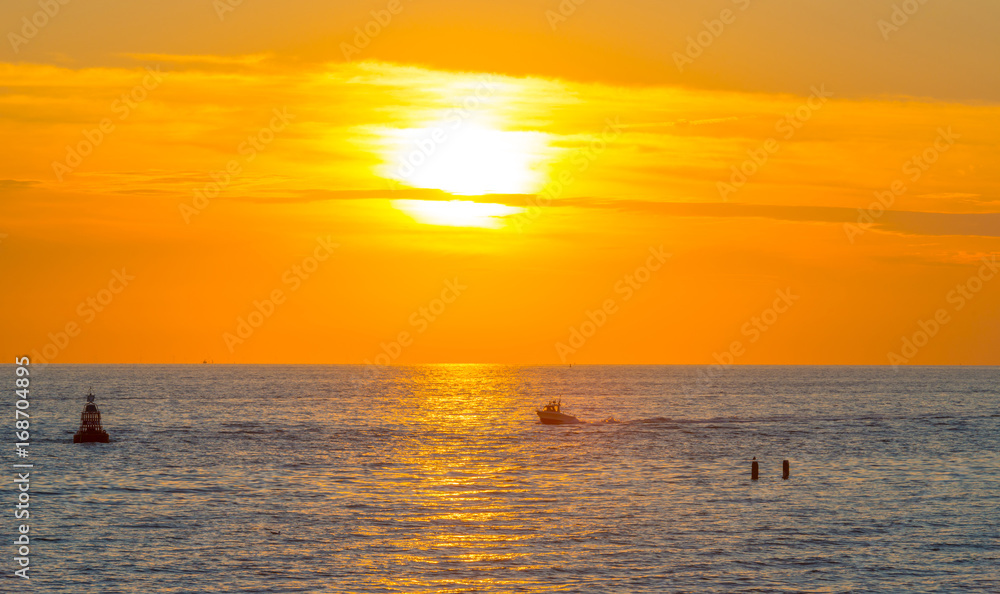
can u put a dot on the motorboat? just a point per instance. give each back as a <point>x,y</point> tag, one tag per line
<point>551,414</point>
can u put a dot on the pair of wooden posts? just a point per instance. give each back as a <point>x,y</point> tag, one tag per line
<point>753,469</point>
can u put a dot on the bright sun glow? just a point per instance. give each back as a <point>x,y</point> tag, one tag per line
<point>467,158</point>
<point>456,213</point>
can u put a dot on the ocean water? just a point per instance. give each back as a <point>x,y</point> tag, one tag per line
<point>440,479</point>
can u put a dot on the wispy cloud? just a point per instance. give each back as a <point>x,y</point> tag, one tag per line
<point>13,184</point>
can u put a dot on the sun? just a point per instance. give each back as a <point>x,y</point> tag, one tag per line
<point>457,213</point>
<point>467,158</point>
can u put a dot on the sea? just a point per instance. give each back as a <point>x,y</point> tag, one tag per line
<point>439,478</point>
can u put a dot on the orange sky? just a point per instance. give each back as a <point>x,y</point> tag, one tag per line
<point>487,183</point>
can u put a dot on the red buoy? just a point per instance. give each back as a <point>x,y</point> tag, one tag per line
<point>90,424</point>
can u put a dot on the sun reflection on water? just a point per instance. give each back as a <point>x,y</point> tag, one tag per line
<point>466,495</point>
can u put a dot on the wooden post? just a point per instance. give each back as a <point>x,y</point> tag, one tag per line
<point>753,469</point>
<point>784,469</point>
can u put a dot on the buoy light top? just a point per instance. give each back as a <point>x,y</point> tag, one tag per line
<point>90,397</point>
